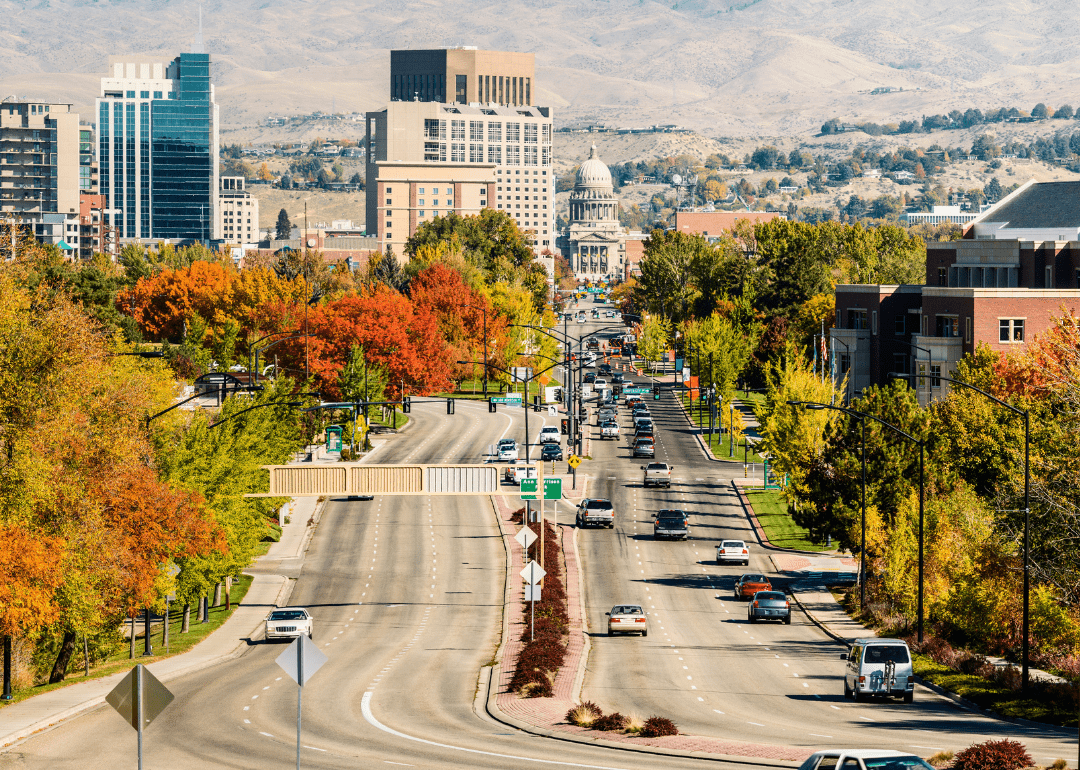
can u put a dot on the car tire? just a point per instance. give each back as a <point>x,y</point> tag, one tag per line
<point>909,697</point>
<point>610,632</point>
<point>787,620</point>
<point>856,695</point>
<point>847,690</point>
<point>751,618</point>
<point>645,633</point>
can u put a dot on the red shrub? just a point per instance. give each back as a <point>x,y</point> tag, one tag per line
<point>658,726</point>
<point>611,722</point>
<point>993,755</point>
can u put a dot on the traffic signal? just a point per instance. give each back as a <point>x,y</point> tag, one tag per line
<point>491,405</point>
<point>656,392</point>
<point>449,406</point>
<point>558,395</point>
<point>406,404</point>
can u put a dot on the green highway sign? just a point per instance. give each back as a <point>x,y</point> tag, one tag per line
<point>552,489</point>
<point>595,290</point>
<point>514,399</point>
<point>635,391</point>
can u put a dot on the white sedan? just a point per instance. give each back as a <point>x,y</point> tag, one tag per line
<point>289,623</point>
<point>733,552</point>
<point>627,619</point>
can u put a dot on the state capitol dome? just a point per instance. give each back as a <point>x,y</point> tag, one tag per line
<point>594,173</point>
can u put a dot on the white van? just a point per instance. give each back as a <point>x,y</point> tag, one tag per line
<point>879,667</point>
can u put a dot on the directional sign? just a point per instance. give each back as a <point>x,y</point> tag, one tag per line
<point>129,702</point>
<point>301,656</point>
<point>513,398</point>
<point>533,573</point>
<point>528,489</point>
<point>553,489</point>
<point>553,410</point>
<point>635,391</point>
<point>574,461</point>
<point>525,537</point>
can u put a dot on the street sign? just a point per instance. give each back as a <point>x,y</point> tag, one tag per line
<point>574,461</point>
<point>533,573</point>
<point>532,593</point>
<point>635,391</point>
<point>301,656</point>
<point>553,410</point>
<point>552,489</point>
<point>333,438</point>
<point>528,489</point>
<point>525,537</point>
<point>512,398</point>
<point>139,694</point>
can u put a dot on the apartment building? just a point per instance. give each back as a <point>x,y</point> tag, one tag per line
<point>158,149</point>
<point>474,156</point>
<point>39,166</point>
<point>237,211</point>
<point>463,76</point>
<point>995,286</point>
<point>92,231</point>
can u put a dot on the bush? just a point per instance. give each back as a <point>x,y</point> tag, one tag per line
<point>656,727</point>
<point>585,714</point>
<point>941,759</point>
<point>613,722</point>
<point>993,755</point>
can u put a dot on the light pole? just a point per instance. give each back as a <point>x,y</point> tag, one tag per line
<point>1024,643</point>
<point>922,489</point>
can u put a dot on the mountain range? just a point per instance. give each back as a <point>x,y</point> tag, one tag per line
<point>740,69</point>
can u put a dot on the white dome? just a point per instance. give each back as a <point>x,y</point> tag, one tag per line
<point>594,172</point>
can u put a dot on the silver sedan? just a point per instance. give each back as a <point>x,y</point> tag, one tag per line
<point>627,619</point>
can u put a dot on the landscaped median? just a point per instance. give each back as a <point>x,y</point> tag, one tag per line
<point>720,443</point>
<point>769,511</point>
<point>550,714</point>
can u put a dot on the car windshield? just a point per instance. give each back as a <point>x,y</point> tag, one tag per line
<point>287,615</point>
<point>770,596</point>
<point>644,442</point>
<point>885,653</point>
<point>628,610</point>
<point>895,763</point>
<point>733,544</point>
<point>753,578</point>
<point>600,505</point>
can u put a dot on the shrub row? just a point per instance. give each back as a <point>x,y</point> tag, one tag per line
<point>592,717</point>
<point>543,653</point>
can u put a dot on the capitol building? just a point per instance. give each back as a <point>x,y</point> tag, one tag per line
<point>595,242</point>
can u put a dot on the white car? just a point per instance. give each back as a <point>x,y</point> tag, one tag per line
<point>549,434</point>
<point>507,450</point>
<point>600,383</point>
<point>289,623</point>
<point>515,473</point>
<point>627,619</point>
<point>864,759</point>
<point>732,552</point>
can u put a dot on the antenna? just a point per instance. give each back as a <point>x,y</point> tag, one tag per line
<point>198,46</point>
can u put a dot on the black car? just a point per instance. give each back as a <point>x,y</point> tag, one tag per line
<point>605,369</point>
<point>551,452</point>
<point>590,378</point>
<point>617,378</point>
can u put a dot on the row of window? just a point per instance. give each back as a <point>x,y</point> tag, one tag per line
<point>436,152</point>
<point>436,129</point>
<point>1009,329</point>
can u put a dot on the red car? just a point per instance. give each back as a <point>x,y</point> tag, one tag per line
<point>750,584</point>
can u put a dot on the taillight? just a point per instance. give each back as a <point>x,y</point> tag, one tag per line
<point>639,620</point>
<point>862,679</point>
<point>755,604</point>
<point>787,605</point>
<point>745,551</point>
<point>722,551</point>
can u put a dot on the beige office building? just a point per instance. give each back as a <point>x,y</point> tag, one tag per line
<point>463,76</point>
<point>237,211</point>
<point>39,162</point>
<point>474,155</point>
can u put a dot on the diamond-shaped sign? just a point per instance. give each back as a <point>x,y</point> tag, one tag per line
<point>533,573</point>
<point>574,461</point>
<point>301,656</point>
<point>125,697</point>
<point>525,537</point>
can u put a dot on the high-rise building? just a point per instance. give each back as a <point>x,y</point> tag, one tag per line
<point>88,173</point>
<point>490,140</point>
<point>238,211</point>
<point>463,76</point>
<point>39,165</point>
<point>158,149</point>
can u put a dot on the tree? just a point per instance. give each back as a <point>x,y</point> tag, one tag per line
<point>666,286</point>
<point>1040,111</point>
<point>284,226</point>
<point>1065,111</point>
<point>993,190</point>
<point>654,337</point>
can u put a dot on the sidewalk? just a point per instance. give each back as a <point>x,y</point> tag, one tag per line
<point>273,575</point>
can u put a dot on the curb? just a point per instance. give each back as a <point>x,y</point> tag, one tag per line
<point>583,664</point>
<point>759,531</point>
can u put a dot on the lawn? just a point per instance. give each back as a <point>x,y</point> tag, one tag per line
<point>178,643</point>
<point>771,512</point>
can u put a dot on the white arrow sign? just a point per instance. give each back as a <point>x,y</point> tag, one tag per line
<point>533,573</point>
<point>525,537</point>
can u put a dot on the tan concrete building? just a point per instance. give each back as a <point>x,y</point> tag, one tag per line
<point>237,211</point>
<point>39,162</point>
<point>473,156</point>
<point>463,76</point>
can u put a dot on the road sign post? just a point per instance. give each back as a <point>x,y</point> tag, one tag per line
<point>139,698</point>
<point>533,574</point>
<point>300,661</point>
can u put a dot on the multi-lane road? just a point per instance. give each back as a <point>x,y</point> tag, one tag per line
<point>407,595</point>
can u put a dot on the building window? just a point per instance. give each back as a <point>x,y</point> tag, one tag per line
<point>935,375</point>
<point>457,129</point>
<point>1049,277</point>
<point>530,133</point>
<point>513,132</point>
<point>513,155</point>
<point>494,132</point>
<point>1010,330</point>
<point>873,322</point>
<point>457,152</point>
<point>900,363</point>
<point>900,325</point>
<point>942,276</point>
<point>948,326</point>
<point>476,131</point>
<point>420,202</point>
<point>157,94</point>
<point>845,363</point>
<point>476,153</point>
<point>530,155</point>
<point>856,319</point>
<point>434,129</point>
<point>144,94</point>
<point>967,329</point>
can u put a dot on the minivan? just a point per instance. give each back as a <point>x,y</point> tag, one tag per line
<point>879,667</point>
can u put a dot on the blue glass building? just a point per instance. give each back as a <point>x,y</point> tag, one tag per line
<point>158,149</point>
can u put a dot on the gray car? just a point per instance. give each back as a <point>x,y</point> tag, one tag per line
<point>769,605</point>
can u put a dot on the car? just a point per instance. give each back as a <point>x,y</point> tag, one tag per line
<point>580,317</point>
<point>289,623</point>
<point>592,343</point>
<point>644,447</point>
<point>879,667</point>
<point>641,417</point>
<point>618,378</point>
<point>634,400</point>
<point>595,512</point>
<point>605,369</point>
<point>508,451</point>
<point>609,429</point>
<point>551,452</point>
<point>657,475</point>
<point>863,759</point>
<point>644,431</point>
<point>749,584</point>
<point>549,434</point>
<point>596,314</point>
<point>769,605</point>
<point>735,551</point>
<point>627,619</point>
<point>590,378</point>
<point>671,525</point>
<point>611,314</point>
<point>605,414</point>
<point>515,473</point>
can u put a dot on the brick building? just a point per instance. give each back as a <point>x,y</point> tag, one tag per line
<point>987,288</point>
<point>713,224</point>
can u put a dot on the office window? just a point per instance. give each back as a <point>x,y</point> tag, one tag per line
<point>943,276</point>
<point>420,203</point>
<point>967,329</point>
<point>434,129</point>
<point>476,153</point>
<point>935,375</point>
<point>144,94</point>
<point>457,152</point>
<point>845,363</point>
<point>900,363</point>
<point>421,192</point>
<point>431,152</point>
<point>1049,277</point>
<point>130,94</point>
<point>457,129</point>
<point>900,325</point>
<point>513,132</point>
<point>1010,330</point>
<point>462,82</point>
<point>948,326</point>
<point>530,155</point>
<point>157,94</point>
<point>476,131</point>
<point>530,133</point>
<point>856,319</point>
<point>513,155</point>
<point>494,154</point>
<point>494,132</point>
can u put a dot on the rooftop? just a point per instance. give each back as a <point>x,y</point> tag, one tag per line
<point>1038,205</point>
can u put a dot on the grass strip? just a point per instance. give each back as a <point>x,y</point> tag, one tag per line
<point>771,511</point>
<point>178,644</point>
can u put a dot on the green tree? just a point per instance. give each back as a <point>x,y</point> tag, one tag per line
<point>654,338</point>
<point>283,226</point>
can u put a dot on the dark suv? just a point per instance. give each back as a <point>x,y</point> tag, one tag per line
<point>605,369</point>
<point>551,452</point>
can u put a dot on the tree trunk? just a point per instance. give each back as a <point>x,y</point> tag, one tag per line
<point>228,593</point>
<point>185,625</point>
<point>217,595</point>
<point>67,647</point>
<point>131,652</point>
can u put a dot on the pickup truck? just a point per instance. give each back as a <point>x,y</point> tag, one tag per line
<point>609,429</point>
<point>595,513</point>
<point>671,525</point>
<point>657,474</point>
<point>515,473</point>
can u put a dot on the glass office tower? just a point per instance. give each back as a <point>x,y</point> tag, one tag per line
<point>158,148</point>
